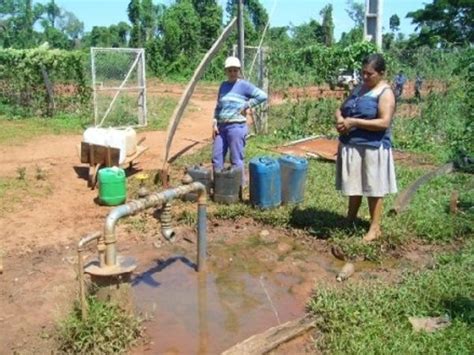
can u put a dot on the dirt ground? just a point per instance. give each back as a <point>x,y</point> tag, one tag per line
<point>38,235</point>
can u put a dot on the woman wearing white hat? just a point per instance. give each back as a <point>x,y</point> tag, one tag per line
<point>235,97</point>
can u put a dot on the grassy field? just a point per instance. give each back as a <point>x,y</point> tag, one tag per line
<point>19,129</point>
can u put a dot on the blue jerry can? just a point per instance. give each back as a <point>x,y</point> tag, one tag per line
<point>265,182</point>
<point>293,172</point>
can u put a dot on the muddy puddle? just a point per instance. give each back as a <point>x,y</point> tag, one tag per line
<point>247,289</point>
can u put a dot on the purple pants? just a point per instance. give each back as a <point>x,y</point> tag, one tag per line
<point>231,136</point>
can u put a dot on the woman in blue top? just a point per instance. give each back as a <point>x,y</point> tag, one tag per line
<point>365,162</point>
<point>229,130</point>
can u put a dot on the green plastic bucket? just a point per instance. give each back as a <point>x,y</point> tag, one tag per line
<point>112,186</point>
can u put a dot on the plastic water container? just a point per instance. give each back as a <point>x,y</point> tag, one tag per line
<point>265,182</point>
<point>199,174</point>
<point>228,185</point>
<point>293,171</point>
<point>123,139</point>
<point>112,186</point>
<point>95,135</point>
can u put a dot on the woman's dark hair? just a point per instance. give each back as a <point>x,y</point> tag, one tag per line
<point>376,61</point>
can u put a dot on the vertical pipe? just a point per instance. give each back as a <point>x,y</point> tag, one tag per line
<point>240,20</point>
<point>110,250</point>
<point>82,288</point>
<point>142,84</point>
<point>202,237</point>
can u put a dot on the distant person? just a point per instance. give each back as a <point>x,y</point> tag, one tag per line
<point>236,96</point>
<point>365,165</point>
<point>418,85</point>
<point>399,81</point>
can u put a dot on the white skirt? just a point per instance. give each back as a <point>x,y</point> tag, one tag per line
<point>365,171</point>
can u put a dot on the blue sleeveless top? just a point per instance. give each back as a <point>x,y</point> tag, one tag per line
<point>365,107</point>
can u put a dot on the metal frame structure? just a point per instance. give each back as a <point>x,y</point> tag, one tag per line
<point>139,66</point>
<point>373,22</point>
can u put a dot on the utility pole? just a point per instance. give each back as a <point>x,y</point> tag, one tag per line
<point>373,22</point>
<point>240,24</point>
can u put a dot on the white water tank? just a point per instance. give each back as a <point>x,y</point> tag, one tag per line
<point>123,139</point>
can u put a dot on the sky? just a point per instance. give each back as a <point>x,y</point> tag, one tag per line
<point>282,12</point>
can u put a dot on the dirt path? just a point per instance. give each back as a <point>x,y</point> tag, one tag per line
<point>69,210</point>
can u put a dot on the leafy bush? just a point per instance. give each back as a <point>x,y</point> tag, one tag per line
<point>315,64</point>
<point>445,126</point>
<point>22,83</point>
<point>304,118</point>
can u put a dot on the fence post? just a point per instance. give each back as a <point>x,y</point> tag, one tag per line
<point>265,87</point>
<point>49,91</point>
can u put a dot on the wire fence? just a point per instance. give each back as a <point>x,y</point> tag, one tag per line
<point>119,86</point>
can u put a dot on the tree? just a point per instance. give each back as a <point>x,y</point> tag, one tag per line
<point>307,34</point>
<point>148,19</point>
<point>394,23</point>
<point>328,25</point>
<point>52,11</point>
<point>449,21</point>
<point>17,20</point>
<point>69,24</point>
<point>137,34</point>
<point>356,12</point>
<point>123,30</point>
<point>256,18</point>
<point>180,33</point>
<point>353,36</point>
<point>210,15</point>
<point>100,37</point>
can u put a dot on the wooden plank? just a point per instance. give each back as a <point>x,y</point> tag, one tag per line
<point>179,110</point>
<point>93,154</point>
<point>405,197</point>
<point>140,150</point>
<point>264,342</point>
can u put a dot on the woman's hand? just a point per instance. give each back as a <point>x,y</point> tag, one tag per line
<point>344,125</point>
<point>215,131</point>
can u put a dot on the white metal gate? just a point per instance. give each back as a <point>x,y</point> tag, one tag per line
<point>119,87</point>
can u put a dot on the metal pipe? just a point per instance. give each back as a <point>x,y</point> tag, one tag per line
<point>165,218</point>
<point>152,200</point>
<point>80,266</point>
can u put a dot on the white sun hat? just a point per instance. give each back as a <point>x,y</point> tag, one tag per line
<point>232,62</point>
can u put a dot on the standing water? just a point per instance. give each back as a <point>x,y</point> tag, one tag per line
<point>242,294</point>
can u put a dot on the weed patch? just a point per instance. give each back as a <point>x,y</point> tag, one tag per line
<point>15,190</point>
<point>107,330</point>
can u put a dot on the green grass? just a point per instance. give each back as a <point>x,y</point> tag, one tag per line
<point>19,130</point>
<point>373,319</point>
<point>160,110</point>
<point>27,184</point>
<point>107,330</point>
